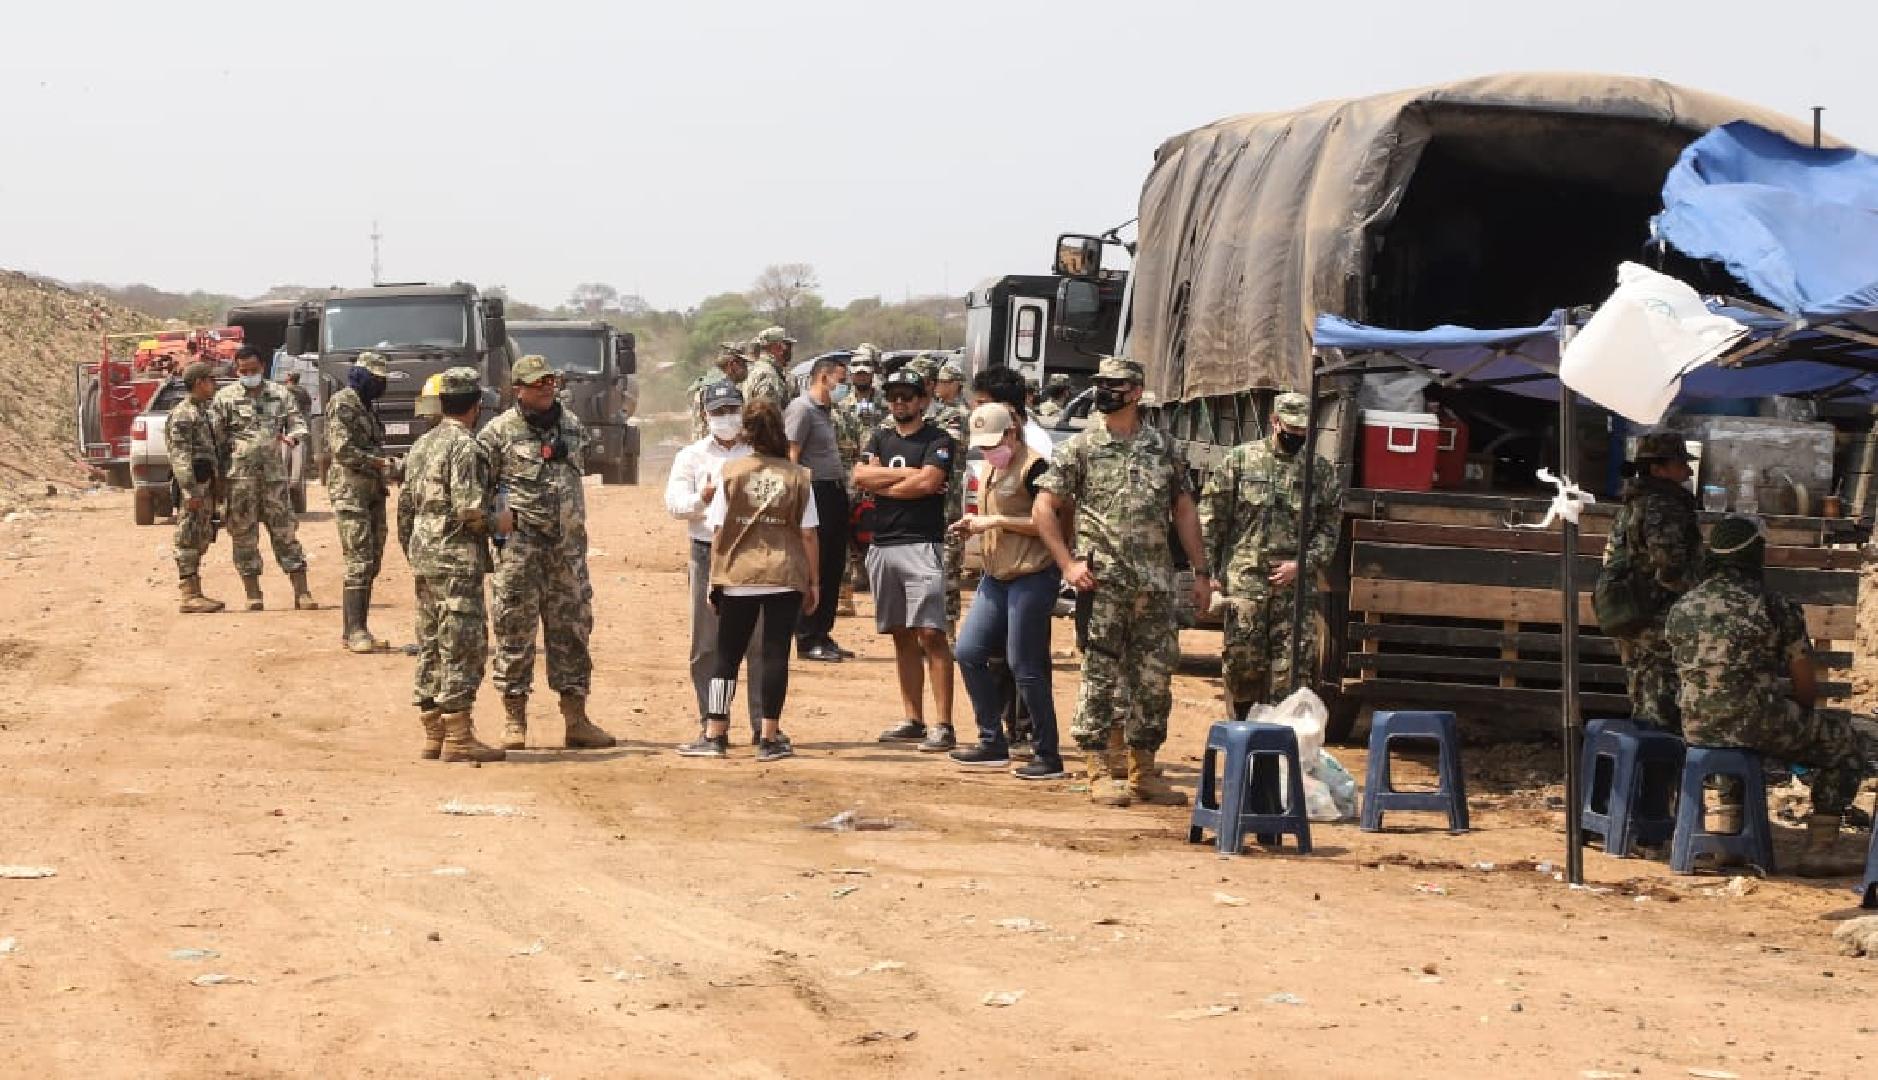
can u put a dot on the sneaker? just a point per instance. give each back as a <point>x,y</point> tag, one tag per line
<point>775,749</point>
<point>824,653</point>
<point>1040,770</point>
<point>908,731</point>
<point>845,654</point>
<point>705,746</point>
<point>982,755</point>
<point>938,738</point>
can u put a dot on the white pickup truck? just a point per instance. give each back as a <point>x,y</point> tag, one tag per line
<point>154,490</point>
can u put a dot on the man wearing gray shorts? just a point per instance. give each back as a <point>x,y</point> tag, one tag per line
<point>905,466</point>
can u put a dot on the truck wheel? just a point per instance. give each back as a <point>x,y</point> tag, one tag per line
<point>298,495</point>
<point>165,502</point>
<point>143,504</point>
<point>120,475</point>
<point>623,471</point>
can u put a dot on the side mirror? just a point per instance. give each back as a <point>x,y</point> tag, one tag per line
<point>294,343</point>
<point>1078,309</point>
<point>495,330</point>
<point>494,307</point>
<point>1078,255</point>
<point>626,353</point>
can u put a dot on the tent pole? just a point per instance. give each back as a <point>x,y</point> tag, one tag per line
<point>1300,589</point>
<point>1570,721</point>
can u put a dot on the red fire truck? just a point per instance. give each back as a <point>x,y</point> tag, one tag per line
<point>112,390</point>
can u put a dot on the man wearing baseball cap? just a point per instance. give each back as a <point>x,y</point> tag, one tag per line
<point>537,454</point>
<point>1125,482</point>
<point>1651,558</point>
<point>1251,517</point>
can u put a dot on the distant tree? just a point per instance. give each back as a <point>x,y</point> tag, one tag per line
<point>632,305</point>
<point>593,298</point>
<point>781,292</point>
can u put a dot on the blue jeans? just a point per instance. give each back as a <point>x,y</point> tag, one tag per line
<point>1012,617</point>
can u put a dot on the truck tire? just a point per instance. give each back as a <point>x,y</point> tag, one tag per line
<point>623,471</point>
<point>165,502</point>
<point>143,505</point>
<point>298,496</point>
<point>119,474</point>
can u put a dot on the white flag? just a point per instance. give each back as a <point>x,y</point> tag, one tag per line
<point>1631,356</point>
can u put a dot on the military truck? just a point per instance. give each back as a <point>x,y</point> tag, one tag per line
<point>420,329</point>
<point>599,369</point>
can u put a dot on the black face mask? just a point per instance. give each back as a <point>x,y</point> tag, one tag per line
<point>1108,400</point>
<point>545,418</point>
<point>1290,443</point>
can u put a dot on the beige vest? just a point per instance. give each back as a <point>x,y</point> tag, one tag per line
<point>760,542</point>
<point>1010,555</point>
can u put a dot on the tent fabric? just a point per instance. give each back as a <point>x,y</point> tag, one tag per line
<point>1252,226</point>
<point>1799,226</point>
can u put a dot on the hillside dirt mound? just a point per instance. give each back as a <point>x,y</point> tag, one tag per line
<point>44,330</point>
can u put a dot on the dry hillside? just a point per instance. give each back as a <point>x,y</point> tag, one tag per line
<point>44,330</point>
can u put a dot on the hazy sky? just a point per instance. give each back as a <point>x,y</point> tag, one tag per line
<point>673,149</point>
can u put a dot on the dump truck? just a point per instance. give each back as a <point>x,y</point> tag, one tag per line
<point>599,368</point>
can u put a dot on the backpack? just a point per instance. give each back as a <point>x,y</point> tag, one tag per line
<point>1624,599</point>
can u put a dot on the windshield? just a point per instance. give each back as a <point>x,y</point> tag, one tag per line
<point>428,322</point>
<point>575,352</point>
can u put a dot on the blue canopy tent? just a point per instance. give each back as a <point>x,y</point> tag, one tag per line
<point>1797,225</point>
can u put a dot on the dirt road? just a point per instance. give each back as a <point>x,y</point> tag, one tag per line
<point>239,785</point>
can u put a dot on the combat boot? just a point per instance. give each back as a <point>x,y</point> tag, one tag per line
<point>515,726</point>
<point>352,603</point>
<point>1108,786</point>
<point>432,719</point>
<point>302,596</point>
<point>1818,858</point>
<point>252,585</point>
<point>459,740</point>
<point>194,603</point>
<point>365,617</point>
<point>1144,781</point>
<point>582,733</point>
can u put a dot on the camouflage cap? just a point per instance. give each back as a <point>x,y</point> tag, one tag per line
<point>866,350</point>
<point>1662,446</point>
<point>1119,367</point>
<point>773,335</point>
<point>950,371</point>
<point>459,380</point>
<point>1056,380</point>
<point>861,365</point>
<point>1292,409</point>
<point>374,363</point>
<point>530,370</point>
<point>923,366</point>
<point>201,369</point>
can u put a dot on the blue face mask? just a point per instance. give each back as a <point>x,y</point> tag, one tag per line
<point>842,390</point>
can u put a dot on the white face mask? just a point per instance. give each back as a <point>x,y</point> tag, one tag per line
<point>727,426</point>
<point>250,381</point>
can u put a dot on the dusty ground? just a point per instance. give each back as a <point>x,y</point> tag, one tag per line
<point>237,784</point>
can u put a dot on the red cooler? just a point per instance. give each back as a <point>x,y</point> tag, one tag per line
<point>1451,452</point>
<point>1400,450</point>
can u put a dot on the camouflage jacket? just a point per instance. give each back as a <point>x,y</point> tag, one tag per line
<point>850,434</point>
<point>1656,531</point>
<point>546,495</point>
<point>444,505</point>
<point>952,419</point>
<point>699,427</point>
<point>765,383</point>
<point>190,437</point>
<point>1049,409</point>
<point>1732,640</point>
<point>1124,491</point>
<point>248,430</point>
<point>1251,510</point>
<point>868,412</point>
<point>354,438</point>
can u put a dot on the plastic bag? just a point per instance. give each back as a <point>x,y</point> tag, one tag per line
<point>1396,392</point>
<point>1329,789</point>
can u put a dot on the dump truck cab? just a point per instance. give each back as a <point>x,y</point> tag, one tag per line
<point>599,369</point>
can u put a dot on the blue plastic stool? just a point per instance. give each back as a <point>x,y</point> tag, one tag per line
<point>1869,890</point>
<point>1248,799</point>
<point>1639,785</point>
<point>1450,796</point>
<point>1754,843</point>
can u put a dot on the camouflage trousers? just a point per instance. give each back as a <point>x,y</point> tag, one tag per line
<point>251,504</point>
<point>955,570</point>
<point>1255,656</point>
<point>1825,743</point>
<point>452,642</point>
<point>1650,675</point>
<point>542,584</point>
<point>192,538</point>
<point>1127,668</point>
<point>361,537</point>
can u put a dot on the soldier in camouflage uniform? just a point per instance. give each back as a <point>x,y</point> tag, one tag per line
<point>1055,397</point>
<point>1251,512</point>
<point>445,518</point>
<point>537,450</point>
<point>949,414</point>
<point>1124,482</point>
<point>1655,536</point>
<point>190,438</point>
<point>854,416</point>
<point>1732,641</point>
<point>730,366</point>
<point>769,354</point>
<point>358,483</point>
<point>256,421</point>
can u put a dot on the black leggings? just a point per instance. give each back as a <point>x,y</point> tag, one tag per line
<point>736,621</point>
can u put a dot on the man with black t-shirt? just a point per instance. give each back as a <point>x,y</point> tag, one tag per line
<point>906,466</point>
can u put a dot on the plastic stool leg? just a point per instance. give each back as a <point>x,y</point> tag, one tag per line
<point>1454,780</point>
<point>1232,800</point>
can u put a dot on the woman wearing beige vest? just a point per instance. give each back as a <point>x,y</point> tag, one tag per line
<point>1015,600</point>
<point>763,568</point>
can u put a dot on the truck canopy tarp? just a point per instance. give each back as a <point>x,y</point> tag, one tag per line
<point>1487,202</point>
<point>1797,225</point>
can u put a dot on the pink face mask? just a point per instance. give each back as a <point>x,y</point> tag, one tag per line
<point>1000,456</point>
